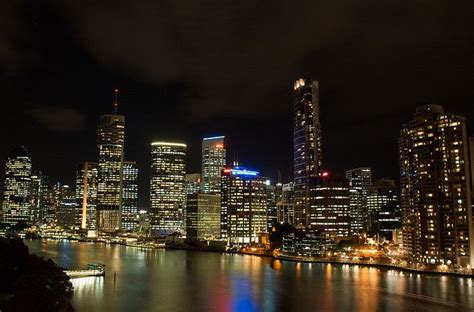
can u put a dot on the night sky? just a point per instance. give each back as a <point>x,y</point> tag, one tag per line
<point>188,69</point>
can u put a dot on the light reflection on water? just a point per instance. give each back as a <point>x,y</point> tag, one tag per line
<point>158,280</point>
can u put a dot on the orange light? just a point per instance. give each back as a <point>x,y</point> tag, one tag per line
<point>219,145</point>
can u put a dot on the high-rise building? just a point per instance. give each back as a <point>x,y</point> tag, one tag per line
<point>130,196</point>
<point>203,216</point>
<point>329,211</point>
<point>110,142</point>
<point>243,205</point>
<point>38,196</point>
<point>435,188</point>
<point>360,181</point>
<point>307,143</point>
<point>193,183</point>
<point>167,187</point>
<point>86,195</point>
<point>271,191</point>
<point>213,161</point>
<point>16,204</point>
<point>383,209</point>
<point>66,213</point>
<point>285,205</point>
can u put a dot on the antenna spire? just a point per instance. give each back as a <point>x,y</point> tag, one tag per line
<point>116,101</point>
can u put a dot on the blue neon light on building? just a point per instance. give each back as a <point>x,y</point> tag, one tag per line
<point>214,137</point>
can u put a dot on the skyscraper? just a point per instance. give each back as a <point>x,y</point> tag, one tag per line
<point>130,196</point>
<point>243,205</point>
<point>193,183</point>
<point>213,160</point>
<point>86,195</point>
<point>435,187</point>
<point>38,196</point>
<point>17,186</point>
<point>383,209</point>
<point>167,187</point>
<point>271,191</point>
<point>203,215</point>
<point>66,212</point>
<point>329,211</point>
<point>307,145</point>
<point>360,181</point>
<point>110,142</point>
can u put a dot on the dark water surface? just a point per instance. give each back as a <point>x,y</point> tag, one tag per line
<point>159,280</point>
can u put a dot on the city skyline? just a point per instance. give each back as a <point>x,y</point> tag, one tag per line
<point>67,73</point>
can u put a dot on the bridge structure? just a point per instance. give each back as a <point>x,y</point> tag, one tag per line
<point>92,270</point>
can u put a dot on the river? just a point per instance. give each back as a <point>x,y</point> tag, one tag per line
<point>175,280</point>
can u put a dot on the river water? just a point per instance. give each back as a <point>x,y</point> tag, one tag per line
<point>159,280</point>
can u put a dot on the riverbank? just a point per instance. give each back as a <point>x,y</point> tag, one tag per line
<point>373,264</point>
<point>368,263</point>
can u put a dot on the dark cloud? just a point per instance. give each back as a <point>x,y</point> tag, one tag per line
<point>193,68</point>
<point>58,118</point>
<point>239,57</point>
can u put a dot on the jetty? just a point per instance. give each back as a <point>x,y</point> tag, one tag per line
<point>93,269</point>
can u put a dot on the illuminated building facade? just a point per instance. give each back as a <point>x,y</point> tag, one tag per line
<point>16,204</point>
<point>38,196</point>
<point>86,195</point>
<point>130,196</point>
<point>110,142</point>
<point>167,187</point>
<point>435,188</point>
<point>193,183</point>
<point>213,161</point>
<point>243,205</point>
<point>330,203</point>
<point>285,213</point>
<point>66,213</point>
<point>271,191</point>
<point>384,208</point>
<point>360,181</point>
<point>307,143</point>
<point>203,216</point>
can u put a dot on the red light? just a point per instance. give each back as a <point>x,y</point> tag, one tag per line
<point>325,174</point>
<point>116,90</point>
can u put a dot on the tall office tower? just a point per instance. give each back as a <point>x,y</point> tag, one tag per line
<point>285,204</point>
<point>383,209</point>
<point>330,201</point>
<point>307,145</point>
<point>271,191</point>
<point>17,186</point>
<point>38,196</point>
<point>110,141</point>
<point>360,181</point>
<point>435,188</point>
<point>203,216</point>
<point>168,188</point>
<point>86,195</point>
<point>193,183</point>
<point>213,161</point>
<point>243,205</point>
<point>66,213</point>
<point>380,193</point>
<point>130,196</point>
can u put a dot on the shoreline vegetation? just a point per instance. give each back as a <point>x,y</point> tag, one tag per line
<point>367,263</point>
<point>29,282</point>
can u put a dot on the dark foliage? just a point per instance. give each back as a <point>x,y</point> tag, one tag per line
<point>35,284</point>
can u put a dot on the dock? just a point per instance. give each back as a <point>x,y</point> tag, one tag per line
<point>92,270</point>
